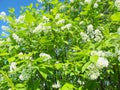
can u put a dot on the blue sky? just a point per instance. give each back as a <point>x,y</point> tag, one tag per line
<point>6,4</point>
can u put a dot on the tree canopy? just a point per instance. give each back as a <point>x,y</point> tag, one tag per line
<point>61,45</point>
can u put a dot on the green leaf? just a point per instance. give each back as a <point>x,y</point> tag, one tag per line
<point>29,17</point>
<point>85,66</point>
<point>11,10</point>
<point>43,72</point>
<point>80,88</point>
<point>94,58</point>
<point>4,54</point>
<point>68,86</point>
<point>115,17</point>
<point>30,6</point>
<point>11,59</point>
<point>19,85</point>
<point>58,66</point>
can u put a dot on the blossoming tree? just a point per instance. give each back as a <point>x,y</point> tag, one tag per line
<point>63,45</point>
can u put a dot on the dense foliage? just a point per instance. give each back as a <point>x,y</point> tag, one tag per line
<point>61,45</point>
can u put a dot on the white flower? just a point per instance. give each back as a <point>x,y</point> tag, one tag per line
<point>38,28</point>
<point>98,35</point>
<point>95,5</point>
<point>82,22</point>
<point>97,38</point>
<point>9,89</point>
<point>41,27</point>
<point>98,53</point>
<point>21,77</point>
<point>68,26</point>
<point>80,82</point>
<point>101,53</point>
<point>94,76</point>
<point>89,28</point>
<point>5,28</point>
<point>88,1</point>
<point>119,58</point>
<point>94,53</point>
<point>56,85</point>
<point>45,19</point>
<point>62,7</point>
<point>118,30</point>
<point>72,1</point>
<point>16,37</point>
<point>117,4</point>
<point>45,56</point>
<point>8,39</point>
<point>13,66</point>
<point>102,62</point>
<point>20,19</point>
<point>97,32</point>
<point>84,36</point>
<point>91,67</point>
<point>62,21</point>
<point>57,16</point>
<point>63,27</point>
<point>20,55</point>
<point>2,14</point>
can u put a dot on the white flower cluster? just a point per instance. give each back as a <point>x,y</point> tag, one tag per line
<point>56,85</point>
<point>62,7</point>
<point>80,82</point>
<point>46,19</point>
<point>90,29</point>
<point>13,66</point>
<point>24,56</point>
<point>95,5</point>
<point>62,21</point>
<point>84,36</point>
<point>102,53</point>
<point>94,76</point>
<point>88,1</point>
<point>57,16</point>
<point>117,4</point>
<point>45,56</point>
<point>5,28</point>
<point>93,73</point>
<point>26,73</point>
<point>67,26</point>
<point>16,38</point>
<point>20,19</point>
<point>41,27</point>
<point>81,22</point>
<point>102,62</point>
<point>96,35</point>
<point>94,68</point>
<point>3,15</point>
